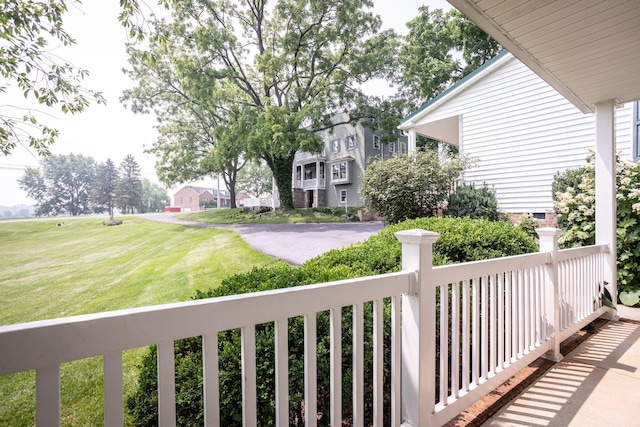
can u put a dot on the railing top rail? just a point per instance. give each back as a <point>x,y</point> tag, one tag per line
<point>47,343</point>
<point>468,270</point>
<point>572,253</point>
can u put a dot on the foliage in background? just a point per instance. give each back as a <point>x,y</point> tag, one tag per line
<point>528,223</point>
<point>103,193</point>
<point>563,180</point>
<point>411,185</point>
<point>62,185</point>
<point>129,187</point>
<point>153,197</point>
<point>255,179</point>
<point>575,207</point>
<point>472,202</point>
<point>440,49</point>
<point>461,240</point>
<point>76,185</point>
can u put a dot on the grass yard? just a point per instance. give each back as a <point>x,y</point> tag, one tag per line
<point>85,267</point>
<point>238,216</point>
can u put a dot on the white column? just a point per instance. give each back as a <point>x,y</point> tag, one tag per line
<point>411,144</point>
<point>418,329</point>
<point>549,243</point>
<point>605,165</point>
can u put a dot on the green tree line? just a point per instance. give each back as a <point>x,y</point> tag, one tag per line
<point>78,185</point>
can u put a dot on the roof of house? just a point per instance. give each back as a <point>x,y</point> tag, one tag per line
<point>454,89</point>
<point>200,190</point>
<point>587,50</point>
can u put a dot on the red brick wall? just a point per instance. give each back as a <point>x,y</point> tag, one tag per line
<point>189,200</point>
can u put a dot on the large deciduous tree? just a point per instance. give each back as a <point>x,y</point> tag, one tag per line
<point>286,69</point>
<point>153,197</point>
<point>62,184</point>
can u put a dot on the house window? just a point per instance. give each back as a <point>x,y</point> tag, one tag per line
<point>298,173</point>
<point>339,172</point>
<point>636,130</point>
<point>190,199</point>
<point>335,145</point>
<point>392,147</point>
<point>180,199</point>
<point>350,142</point>
<point>376,142</point>
<point>403,147</point>
<point>309,171</point>
<point>321,173</point>
<point>343,196</point>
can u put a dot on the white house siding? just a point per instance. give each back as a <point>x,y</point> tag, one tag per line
<point>521,131</point>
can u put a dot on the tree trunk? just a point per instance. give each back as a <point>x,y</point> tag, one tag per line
<point>282,168</point>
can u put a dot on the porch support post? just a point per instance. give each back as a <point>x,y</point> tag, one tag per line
<point>549,243</point>
<point>418,329</point>
<point>605,168</point>
<point>411,143</point>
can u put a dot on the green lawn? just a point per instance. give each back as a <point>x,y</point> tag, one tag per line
<point>86,267</point>
<point>237,216</point>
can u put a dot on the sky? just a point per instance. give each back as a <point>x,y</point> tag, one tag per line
<point>112,131</point>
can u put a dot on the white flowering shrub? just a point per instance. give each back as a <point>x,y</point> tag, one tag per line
<point>575,208</point>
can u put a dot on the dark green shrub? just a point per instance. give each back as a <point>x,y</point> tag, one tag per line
<point>472,202</point>
<point>461,240</point>
<point>413,185</point>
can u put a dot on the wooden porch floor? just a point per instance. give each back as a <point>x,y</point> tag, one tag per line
<point>596,384</point>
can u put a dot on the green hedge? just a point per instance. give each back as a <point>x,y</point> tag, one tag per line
<point>461,240</point>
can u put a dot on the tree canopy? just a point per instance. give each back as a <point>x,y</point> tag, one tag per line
<point>281,71</point>
<point>28,31</point>
<point>440,49</point>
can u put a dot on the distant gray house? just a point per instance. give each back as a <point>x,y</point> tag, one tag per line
<point>333,176</point>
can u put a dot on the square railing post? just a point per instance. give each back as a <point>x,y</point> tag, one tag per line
<point>418,329</point>
<point>549,243</point>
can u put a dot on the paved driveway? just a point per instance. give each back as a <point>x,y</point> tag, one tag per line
<point>294,243</point>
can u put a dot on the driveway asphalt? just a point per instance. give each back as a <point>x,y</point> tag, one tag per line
<point>294,243</point>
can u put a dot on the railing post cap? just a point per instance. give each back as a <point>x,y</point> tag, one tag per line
<point>548,231</point>
<point>417,235</point>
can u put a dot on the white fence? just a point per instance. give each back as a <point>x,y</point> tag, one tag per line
<point>454,333</point>
<point>262,201</point>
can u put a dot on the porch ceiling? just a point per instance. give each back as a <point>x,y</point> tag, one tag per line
<point>588,50</point>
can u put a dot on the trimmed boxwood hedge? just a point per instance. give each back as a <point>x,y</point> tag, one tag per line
<point>461,240</point>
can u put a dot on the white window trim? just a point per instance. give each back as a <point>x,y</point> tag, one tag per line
<point>343,196</point>
<point>346,172</point>
<point>350,142</point>
<point>335,146</point>
<point>376,142</point>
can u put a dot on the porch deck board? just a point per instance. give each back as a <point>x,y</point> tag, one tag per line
<point>596,384</point>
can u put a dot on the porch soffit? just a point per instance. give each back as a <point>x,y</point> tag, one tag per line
<point>445,130</point>
<point>588,50</point>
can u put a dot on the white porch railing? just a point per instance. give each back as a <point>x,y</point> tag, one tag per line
<point>456,331</point>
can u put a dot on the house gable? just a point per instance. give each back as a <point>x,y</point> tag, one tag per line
<point>519,130</point>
